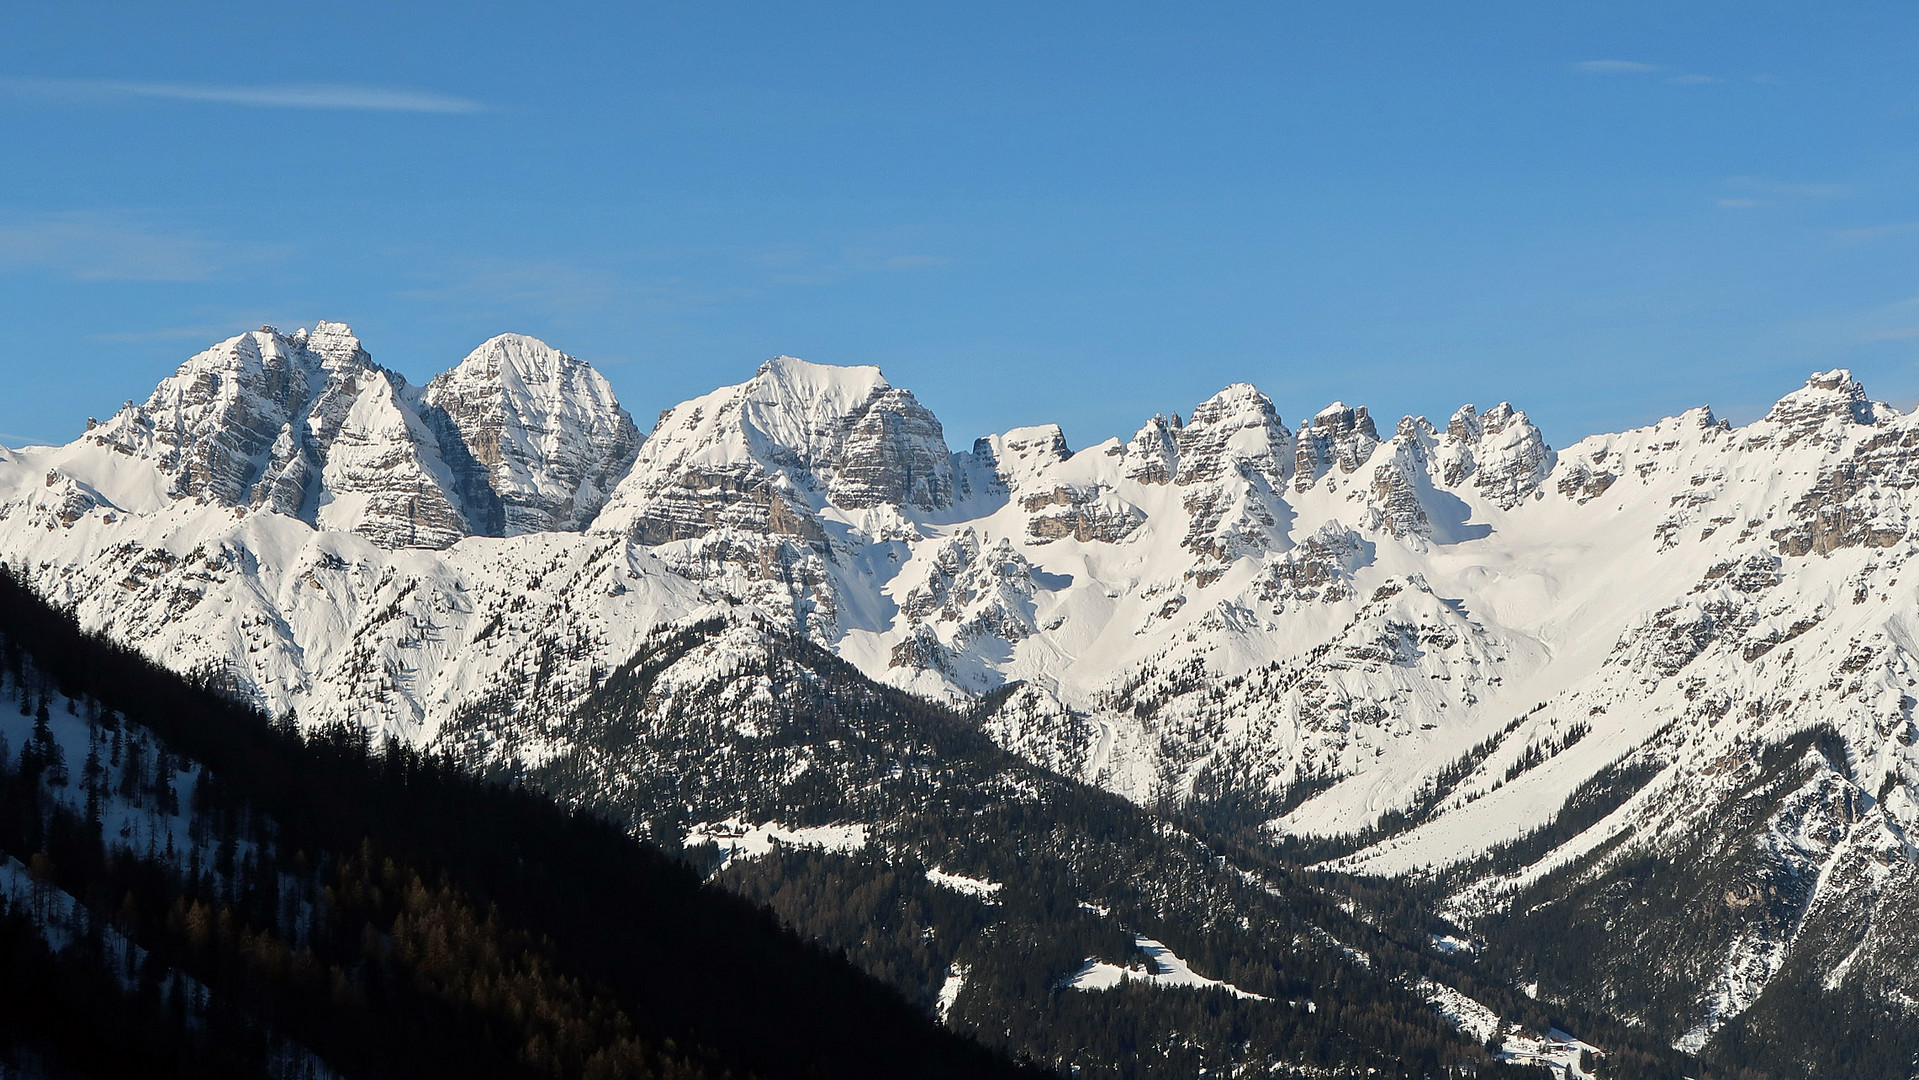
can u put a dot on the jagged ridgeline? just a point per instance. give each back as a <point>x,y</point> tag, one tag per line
<point>187,890</point>
<point>1437,655</point>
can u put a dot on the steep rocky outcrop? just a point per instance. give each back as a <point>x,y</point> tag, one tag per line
<point>1501,452</point>
<point>1236,431</point>
<point>894,452</point>
<point>382,474</point>
<point>548,436</point>
<point>300,424</point>
<point>212,426</point>
<point>1153,453</point>
<point>1338,437</point>
<point>1402,482</point>
<point>518,438</point>
<point>1022,454</point>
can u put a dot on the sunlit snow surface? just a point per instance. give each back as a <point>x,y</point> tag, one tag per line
<point>737,839</point>
<point>1162,968</point>
<point>971,886</point>
<point>1220,602</point>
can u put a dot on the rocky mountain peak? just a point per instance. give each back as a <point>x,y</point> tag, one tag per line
<point>1500,417</point>
<point>1338,435</point>
<point>211,426</point>
<point>1830,399</point>
<point>843,433</point>
<point>1415,428</point>
<point>306,425</point>
<point>1021,454</point>
<point>1465,425</point>
<point>1340,418</point>
<point>1500,450</point>
<point>1235,429</point>
<point>895,452</point>
<point>1152,454</point>
<point>334,343</point>
<point>545,439</point>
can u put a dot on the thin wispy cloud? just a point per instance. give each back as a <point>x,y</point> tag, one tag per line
<point>897,250</point>
<point>1760,192</point>
<point>1615,67</point>
<point>1638,67</point>
<point>336,96</point>
<point>1870,326</point>
<point>561,290</point>
<point>915,262</point>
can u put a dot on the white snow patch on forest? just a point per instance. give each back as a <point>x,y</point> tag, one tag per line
<point>971,886</point>
<point>950,989</point>
<point>1467,1014</point>
<point>739,840</point>
<point>1165,968</point>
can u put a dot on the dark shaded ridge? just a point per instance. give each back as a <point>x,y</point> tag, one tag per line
<point>1622,935</point>
<point>710,984</point>
<point>1390,920</point>
<point>1050,844</point>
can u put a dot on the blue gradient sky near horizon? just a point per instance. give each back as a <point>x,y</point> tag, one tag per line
<point>1024,213</point>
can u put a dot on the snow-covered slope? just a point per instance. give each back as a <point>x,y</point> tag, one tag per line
<point>1440,635</point>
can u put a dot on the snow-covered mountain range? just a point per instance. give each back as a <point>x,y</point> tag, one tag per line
<point>1453,643</point>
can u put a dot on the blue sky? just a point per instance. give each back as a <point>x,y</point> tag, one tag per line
<point>1072,212</point>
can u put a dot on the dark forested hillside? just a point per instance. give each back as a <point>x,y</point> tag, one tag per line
<point>189,890</point>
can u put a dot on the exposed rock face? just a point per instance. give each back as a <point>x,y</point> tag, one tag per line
<point>735,483</point>
<point>305,424</point>
<point>967,598</point>
<point>894,452</point>
<point>301,424</point>
<point>547,433</point>
<point>1079,513</point>
<point>1338,436</point>
<point>1397,481</point>
<point>1236,431</point>
<point>1232,457</point>
<point>1153,453</point>
<point>383,477</point>
<point>975,591</point>
<point>1582,484</point>
<point>1846,507</point>
<point>797,436</point>
<point>1829,402</point>
<point>212,424</point>
<point>1022,453</point>
<point>1501,452</point>
<point>1319,569</point>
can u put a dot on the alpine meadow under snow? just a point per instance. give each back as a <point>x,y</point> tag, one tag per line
<point>1636,713</point>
